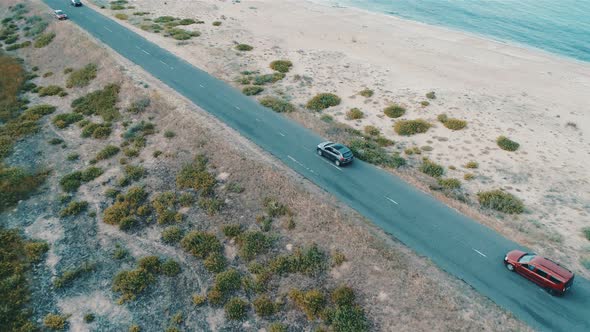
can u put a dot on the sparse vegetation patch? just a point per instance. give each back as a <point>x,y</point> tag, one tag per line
<point>282,66</point>
<point>322,101</point>
<point>276,104</point>
<point>394,111</point>
<point>411,127</point>
<point>500,201</point>
<point>507,144</point>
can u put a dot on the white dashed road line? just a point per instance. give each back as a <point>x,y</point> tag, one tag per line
<point>238,108</point>
<point>281,134</point>
<point>164,63</point>
<point>258,120</point>
<point>479,252</point>
<point>201,85</point>
<point>329,163</point>
<point>306,149</point>
<point>391,200</point>
<point>108,29</point>
<point>300,164</point>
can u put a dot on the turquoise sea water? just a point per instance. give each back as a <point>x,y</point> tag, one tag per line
<point>557,26</point>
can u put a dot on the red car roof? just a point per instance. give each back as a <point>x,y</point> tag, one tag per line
<point>553,267</point>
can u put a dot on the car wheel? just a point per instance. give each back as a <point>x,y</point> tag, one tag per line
<point>320,153</point>
<point>337,162</point>
<point>510,267</point>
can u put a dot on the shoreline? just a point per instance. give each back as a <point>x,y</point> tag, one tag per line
<point>467,33</point>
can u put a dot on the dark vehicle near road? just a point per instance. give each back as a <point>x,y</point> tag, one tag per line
<point>546,273</point>
<point>337,153</point>
<point>60,15</point>
<point>76,3</point>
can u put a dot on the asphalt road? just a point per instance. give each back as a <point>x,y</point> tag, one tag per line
<point>457,244</point>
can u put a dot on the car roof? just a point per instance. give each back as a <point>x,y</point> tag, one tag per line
<point>552,267</point>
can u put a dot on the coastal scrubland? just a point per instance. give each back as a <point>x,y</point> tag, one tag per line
<point>121,209</point>
<point>422,92</point>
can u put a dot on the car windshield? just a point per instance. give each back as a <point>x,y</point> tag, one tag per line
<point>526,258</point>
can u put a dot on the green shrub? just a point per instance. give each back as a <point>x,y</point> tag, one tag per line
<point>169,134</point>
<point>107,152</point>
<point>139,105</point>
<point>150,264</point>
<point>507,144</point>
<point>181,34</point>
<point>216,23</point>
<point>172,234</point>
<point>252,90</point>
<point>211,205</point>
<point>253,243</point>
<point>71,182</point>
<point>244,47</point>
<point>170,268</point>
<point>586,232</point>
<point>451,123</point>
<point>74,208</point>
<point>100,102</point>
<point>121,16</point>
<point>424,103</point>
<point>411,127</point>
<point>263,306</point>
<point>200,244</point>
<point>55,141</point>
<point>18,46</point>
<point>343,295</point>
<point>227,282</point>
<point>310,261</point>
<point>134,328</point>
<point>282,66</point>
<point>198,299</point>
<point>500,201</point>
<point>89,318</point>
<point>130,283</point>
<point>215,262</point>
<point>268,78</point>
<point>371,152</point>
<point>383,142</point>
<point>129,205</point>
<point>472,164</point>
<point>354,114</point>
<point>70,275</point>
<point>64,120</point>
<point>276,104</point>
<point>366,93</point>
<point>311,302</point>
<point>348,318</point>
<point>232,230</point>
<point>431,95</point>
<point>35,250</point>
<point>322,101</point>
<point>55,321</point>
<point>431,168</point>
<point>196,176</point>
<point>338,258</point>
<point>44,39</point>
<point>372,131</point>
<point>236,309</point>
<point>17,184</point>
<point>96,130</point>
<point>164,19</point>
<point>186,199</point>
<point>449,183</point>
<point>134,173</point>
<point>394,111</point>
<point>82,77</point>
<point>274,208</point>
<point>165,204</point>
<point>278,327</point>
<point>468,176</point>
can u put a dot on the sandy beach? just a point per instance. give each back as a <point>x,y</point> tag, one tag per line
<point>536,99</point>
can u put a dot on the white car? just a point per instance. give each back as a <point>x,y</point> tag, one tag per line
<point>60,15</point>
